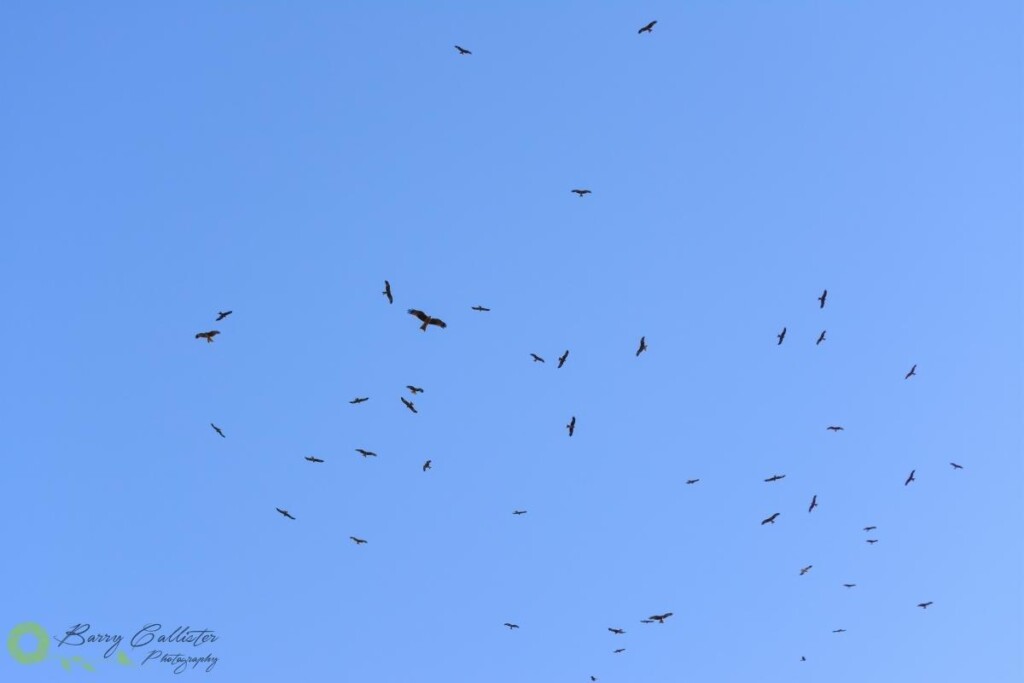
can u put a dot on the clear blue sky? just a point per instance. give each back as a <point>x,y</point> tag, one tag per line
<point>164,161</point>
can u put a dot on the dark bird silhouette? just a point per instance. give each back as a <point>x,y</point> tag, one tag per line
<point>426,319</point>
<point>593,678</point>
<point>870,528</point>
<point>620,650</point>
<point>572,425</point>
<point>814,503</point>
<point>803,659</point>
<point>771,520</point>
<point>660,618</point>
<point>849,585</point>
<point>217,429</point>
<point>781,336</point>
<point>358,541</point>
<point>387,292</point>
<point>313,459</point>
<point>463,51</point>
<point>480,308</point>
<point>647,621</point>
<point>913,371</point>
<point>519,512</point>
<point>208,336</point>
<point>426,465</point>
<point>285,513</point>
<point>834,428</point>
<point>582,192</point>
<point>409,405</point>
<point>956,467</point>
<point>221,315</point>
<point>366,454</point>
<point>616,631</point>
<point>511,626</point>
<point>775,477</point>
<point>872,541</point>
<point>648,28</point>
<point>821,298</point>
<point>360,400</point>
<point>692,481</point>
<point>536,358</point>
<point>806,569</point>
<point>910,478</point>
<point>821,338</point>
<point>643,346</point>
<point>924,605</point>
<point>564,357</point>
<point>839,630</point>
<point>414,390</point>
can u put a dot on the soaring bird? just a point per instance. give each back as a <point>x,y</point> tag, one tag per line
<point>519,512</point>
<point>426,465</point>
<point>536,358</point>
<point>870,528</point>
<point>839,630</point>
<point>692,481</point>
<point>313,459</point>
<point>414,390</point>
<point>593,678</point>
<point>814,503</point>
<point>221,315</point>
<point>821,298</point>
<point>913,371</point>
<point>511,626</point>
<point>775,477</point>
<point>910,478</point>
<point>582,192</point>
<point>648,28</point>
<point>217,429</point>
<point>849,585</point>
<point>806,569</point>
<point>803,659</point>
<point>956,467</point>
<point>426,319</point>
<point>409,405</point>
<point>358,541</point>
<point>285,513</point>
<point>781,336</point>
<point>643,346</point>
<point>360,400</point>
<point>616,631</point>
<point>620,650</point>
<point>463,51</point>
<point>821,338</point>
<point>660,618</point>
<point>834,428</point>
<point>647,621</point>
<point>366,454</point>
<point>924,605</point>
<point>208,336</point>
<point>480,308</point>
<point>771,520</point>
<point>387,292</point>
<point>872,541</point>
<point>572,425</point>
<point>564,357</point>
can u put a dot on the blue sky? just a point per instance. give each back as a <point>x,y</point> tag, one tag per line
<point>164,162</point>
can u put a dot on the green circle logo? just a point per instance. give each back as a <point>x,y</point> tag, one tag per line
<point>42,646</point>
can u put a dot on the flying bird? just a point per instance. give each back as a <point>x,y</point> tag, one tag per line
<point>409,405</point>
<point>648,28</point>
<point>771,520</point>
<point>511,626</point>
<point>621,649</point>
<point>564,357</point>
<point>360,400</point>
<point>924,605</point>
<point>821,298</point>
<point>480,308</point>
<point>572,425</point>
<point>358,541</point>
<point>806,569</point>
<point>426,465</point>
<point>660,618</point>
<point>814,503</point>
<point>366,454</point>
<point>208,336</point>
<point>221,315</point>
<point>616,631</point>
<point>536,358</point>
<point>217,429</point>
<point>387,292</point>
<point>582,192</point>
<point>870,528</point>
<point>775,477</point>
<point>803,659</point>
<point>781,336</point>
<point>463,51</point>
<point>872,541</point>
<point>426,319</point>
<point>647,621</point>
<point>834,428</point>
<point>913,371</point>
<point>956,467</point>
<point>692,481</point>
<point>643,346</point>
<point>910,478</point>
<point>313,459</point>
<point>839,630</point>
<point>519,512</point>
<point>821,338</point>
<point>414,390</point>
<point>849,585</point>
<point>285,513</point>
<point>593,678</point>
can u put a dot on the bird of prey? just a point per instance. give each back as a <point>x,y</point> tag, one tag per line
<point>956,467</point>
<point>924,605</point>
<point>839,630</point>
<point>463,51</point>
<point>806,569</point>
<point>775,477</point>
<point>870,528</point>
<point>511,626</point>
<point>648,28</point>
<point>572,425</point>
<point>781,336</point>
<point>814,502</point>
<point>519,512</point>
<point>621,649</point>
<point>771,520</point>
<point>616,631</point>
<point>313,459</point>
<point>414,390</point>
<point>564,357</point>
<point>221,315</point>
<point>536,358</point>
<point>849,585</point>
<point>593,678</point>
<point>692,481</point>
<point>285,513</point>
<point>360,400</point>
<point>358,541</point>
<point>480,308</point>
<point>217,429</point>
<point>387,292</point>
<point>426,319</point>
<point>660,618</point>
<point>409,404</point>
<point>208,336</point>
<point>803,659</point>
<point>821,298</point>
<point>913,371</point>
<point>872,541</point>
<point>821,338</point>
<point>834,428</point>
<point>581,192</point>
<point>643,346</point>
<point>910,478</point>
<point>366,454</point>
<point>426,465</point>
<point>647,621</point>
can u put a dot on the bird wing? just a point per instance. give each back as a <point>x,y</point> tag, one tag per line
<point>419,314</point>
<point>436,321</point>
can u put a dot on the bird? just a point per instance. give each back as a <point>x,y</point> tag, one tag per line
<point>660,618</point>
<point>643,346</point>
<point>511,626</point>
<point>781,336</point>
<point>360,400</point>
<point>593,678</point>
<point>956,467</point>
<point>208,336</point>
<point>387,292</point>
<point>834,428</point>
<point>924,605</point>
<point>913,371</point>
<point>771,520</point>
<point>839,630</point>
<point>366,454</point>
<point>409,404</point>
<point>480,308</point>
<point>285,513</point>
<point>221,315</point>
<point>870,528</point>
<point>910,478</point>
<point>814,503</point>
<point>463,51</point>
<point>313,459</point>
<point>872,541</point>
<point>822,298</point>
<point>572,425</point>
<point>616,631</point>
<point>775,477</point>
<point>414,390</point>
<point>803,659</point>
<point>358,541</point>
<point>647,621</point>
<point>537,359</point>
<point>620,650</point>
<point>426,465</point>
<point>821,338</point>
<point>648,28</point>
<point>849,585</point>
<point>692,481</point>
<point>519,512</point>
<point>806,569</point>
<point>564,357</point>
<point>582,192</point>
<point>217,429</point>
<point>426,319</point>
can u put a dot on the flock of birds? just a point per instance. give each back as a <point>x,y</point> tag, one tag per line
<point>427,321</point>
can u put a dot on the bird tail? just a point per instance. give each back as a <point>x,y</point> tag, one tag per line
<point>423,327</point>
